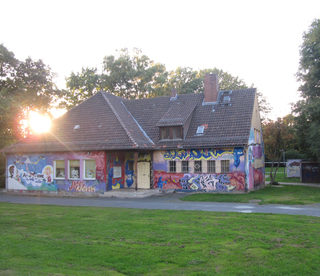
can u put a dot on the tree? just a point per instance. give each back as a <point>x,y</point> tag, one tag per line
<point>137,76</point>
<point>24,85</point>
<point>279,137</point>
<point>130,77</point>
<point>307,110</point>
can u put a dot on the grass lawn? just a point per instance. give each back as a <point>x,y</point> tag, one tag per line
<point>268,195</point>
<point>281,176</point>
<point>55,240</point>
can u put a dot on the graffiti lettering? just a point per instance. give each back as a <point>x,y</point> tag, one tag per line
<point>201,182</point>
<point>195,154</point>
<point>80,186</point>
<point>207,154</point>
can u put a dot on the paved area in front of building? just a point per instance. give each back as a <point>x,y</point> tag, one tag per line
<point>165,202</point>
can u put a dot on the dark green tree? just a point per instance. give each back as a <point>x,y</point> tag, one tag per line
<point>127,76</point>
<point>307,110</point>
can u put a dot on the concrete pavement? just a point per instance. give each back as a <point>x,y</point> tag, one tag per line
<point>165,202</point>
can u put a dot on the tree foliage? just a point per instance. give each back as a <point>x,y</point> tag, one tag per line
<point>308,109</point>
<point>128,76</point>
<point>23,85</point>
<point>279,137</point>
<point>135,76</point>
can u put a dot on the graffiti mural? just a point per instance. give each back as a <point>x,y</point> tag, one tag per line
<point>218,182</point>
<point>116,171</point>
<point>255,160</point>
<point>35,172</point>
<point>81,186</point>
<point>129,173</point>
<point>201,182</point>
<point>30,173</point>
<point>205,154</point>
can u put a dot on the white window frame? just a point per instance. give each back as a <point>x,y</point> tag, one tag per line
<point>55,172</point>
<point>69,176</point>
<point>175,166</point>
<point>84,169</point>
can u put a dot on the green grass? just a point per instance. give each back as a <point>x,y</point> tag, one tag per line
<point>53,240</point>
<point>268,195</point>
<point>281,176</point>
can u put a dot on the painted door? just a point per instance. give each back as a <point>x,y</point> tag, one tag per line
<point>143,175</point>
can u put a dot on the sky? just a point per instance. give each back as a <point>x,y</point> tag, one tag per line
<point>257,41</point>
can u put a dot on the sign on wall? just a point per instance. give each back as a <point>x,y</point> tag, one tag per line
<point>116,171</point>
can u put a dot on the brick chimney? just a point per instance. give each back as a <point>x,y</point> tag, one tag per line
<point>211,88</point>
<point>174,94</point>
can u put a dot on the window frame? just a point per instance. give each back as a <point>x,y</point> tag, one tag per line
<point>209,167</point>
<point>196,170</point>
<point>55,172</point>
<point>84,169</point>
<point>69,172</point>
<point>183,167</point>
<point>168,133</point>
<point>223,166</point>
<point>171,162</point>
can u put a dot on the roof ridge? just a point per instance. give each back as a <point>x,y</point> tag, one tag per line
<point>118,117</point>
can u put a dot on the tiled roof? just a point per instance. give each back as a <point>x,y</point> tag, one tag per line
<point>107,122</point>
<point>178,112</point>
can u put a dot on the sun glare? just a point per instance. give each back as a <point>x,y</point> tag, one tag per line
<point>39,123</point>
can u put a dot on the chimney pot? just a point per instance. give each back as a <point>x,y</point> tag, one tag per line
<point>211,88</point>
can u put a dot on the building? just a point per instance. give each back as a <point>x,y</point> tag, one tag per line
<point>210,141</point>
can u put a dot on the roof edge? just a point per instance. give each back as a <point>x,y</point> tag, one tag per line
<point>142,130</point>
<point>119,119</point>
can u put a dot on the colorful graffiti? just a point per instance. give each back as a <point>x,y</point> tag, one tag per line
<point>201,182</point>
<point>203,154</point>
<point>115,167</point>
<point>30,173</point>
<point>81,186</point>
<point>129,173</point>
<point>255,160</point>
<point>35,172</point>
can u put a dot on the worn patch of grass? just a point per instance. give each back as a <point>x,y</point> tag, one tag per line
<point>268,195</point>
<point>55,240</point>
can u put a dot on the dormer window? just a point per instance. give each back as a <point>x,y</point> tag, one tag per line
<point>171,133</point>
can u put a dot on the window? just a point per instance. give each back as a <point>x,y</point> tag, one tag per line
<point>59,170</point>
<point>171,133</point>
<point>200,130</point>
<point>89,169</point>
<point>225,166</point>
<point>211,166</point>
<point>197,166</point>
<point>185,166</point>
<point>130,165</point>
<point>74,169</point>
<point>172,166</point>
